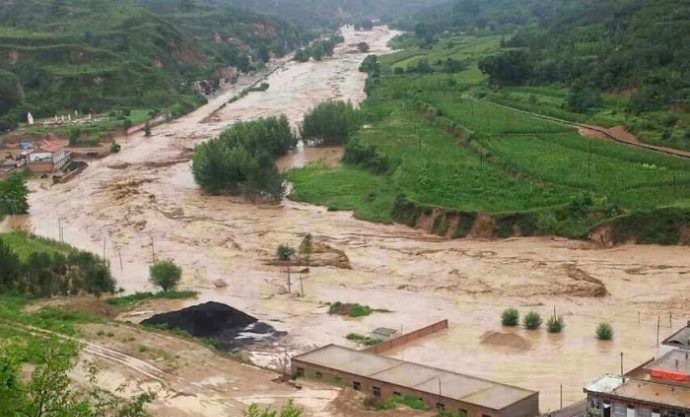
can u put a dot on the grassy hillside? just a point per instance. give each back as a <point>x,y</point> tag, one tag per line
<point>95,55</point>
<point>332,12</point>
<point>625,60</point>
<point>454,156</point>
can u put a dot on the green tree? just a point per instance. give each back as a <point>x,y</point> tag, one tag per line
<point>284,252</point>
<point>555,324</point>
<point>74,136</point>
<point>306,247</point>
<point>532,320</point>
<point>13,195</point>
<point>147,129</point>
<point>330,123</point>
<point>288,410</point>
<point>363,47</point>
<point>165,274</point>
<point>9,266</point>
<point>510,317</point>
<point>604,331</point>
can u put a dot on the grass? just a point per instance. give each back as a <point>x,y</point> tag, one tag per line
<point>396,401</point>
<point>363,340</point>
<point>352,310</point>
<point>24,244</point>
<point>133,299</point>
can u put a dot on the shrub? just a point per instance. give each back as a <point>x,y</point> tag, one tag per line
<point>532,320</point>
<point>510,317</point>
<point>604,331</point>
<point>165,274</point>
<point>115,147</point>
<point>284,252</point>
<point>555,324</point>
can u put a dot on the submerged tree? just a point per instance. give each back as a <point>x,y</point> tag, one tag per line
<point>330,123</point>
<point>165,274</point>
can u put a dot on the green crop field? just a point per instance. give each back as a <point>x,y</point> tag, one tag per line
<point>509,164</point>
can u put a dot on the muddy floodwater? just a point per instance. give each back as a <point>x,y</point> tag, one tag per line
<point>143,204</point>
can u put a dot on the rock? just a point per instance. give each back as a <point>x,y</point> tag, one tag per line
<point>219,283</point>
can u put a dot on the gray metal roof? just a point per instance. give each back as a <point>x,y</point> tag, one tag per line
<point>418,377</point>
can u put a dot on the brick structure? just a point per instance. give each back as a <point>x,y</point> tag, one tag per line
<point>383,377</point>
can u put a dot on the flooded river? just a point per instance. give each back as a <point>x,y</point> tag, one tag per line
<point>142,204</point>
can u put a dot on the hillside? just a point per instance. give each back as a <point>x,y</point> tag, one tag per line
<point>635,50</point>
<point>94,55</point>
<point>332,12</point>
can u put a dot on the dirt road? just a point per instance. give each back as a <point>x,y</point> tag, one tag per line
<point>144,203</point>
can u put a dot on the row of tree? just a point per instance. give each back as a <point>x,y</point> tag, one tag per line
<point>44,274</point>
<point>319,49</point>
<point>241,160</point>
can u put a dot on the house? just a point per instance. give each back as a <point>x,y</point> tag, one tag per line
<point>657,388</point>
<point>382,377</point>
<point>48,157</point>
<point>678,340</point>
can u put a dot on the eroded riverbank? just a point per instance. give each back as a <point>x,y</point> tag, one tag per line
<point>144,204</point>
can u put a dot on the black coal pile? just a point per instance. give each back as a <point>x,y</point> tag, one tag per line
<point>231,328</point>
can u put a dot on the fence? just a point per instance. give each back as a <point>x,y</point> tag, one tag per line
<point>408,337</point>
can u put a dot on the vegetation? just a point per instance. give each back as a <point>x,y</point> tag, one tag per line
<point>318,49</point>
<point>147,129</point>
<point>363,47</point>
<point>443,145</point>
<point>288,410</point>
<point>532,320</point>
<point>510,317</point>
<point>42,267</point>
<point>125,55</point>
<point>306,247</point>
<point>330,123</point>
<point>604,331</point>
<point>133,299</point>
<point>363,340</point>
<point>555,324</point>
<point>395,401</point>
<point>165,274</point>
<point>285,252</point>
<point>350,310</point>
<point>241,160</point>
<point>13,195</point>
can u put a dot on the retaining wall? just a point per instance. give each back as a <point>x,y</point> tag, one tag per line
<point>408,337</point>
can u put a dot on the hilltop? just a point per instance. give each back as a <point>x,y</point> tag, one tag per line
<point>95,55</point>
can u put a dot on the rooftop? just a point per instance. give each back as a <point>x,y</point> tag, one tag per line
<point>680,339</point>
<point>422,378</point>
<point>50,146</point>
<point>640,390</point>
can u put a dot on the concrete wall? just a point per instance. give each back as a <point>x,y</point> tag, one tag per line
<point>408,337</point>
<point>528,407</point>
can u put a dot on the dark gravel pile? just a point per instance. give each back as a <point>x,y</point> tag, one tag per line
<point>231,328</point>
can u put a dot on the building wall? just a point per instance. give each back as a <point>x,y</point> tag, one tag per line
<point>408,337</point>
<point>528,407</point>
<point>41,166</point>
<point>624,407</point>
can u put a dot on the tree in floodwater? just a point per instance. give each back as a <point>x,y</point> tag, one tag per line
<point>165,274</point>
<point>241,160</point>
<point>288,410</point>
<point>330,123</point>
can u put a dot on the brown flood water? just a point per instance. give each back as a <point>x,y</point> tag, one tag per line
<point>143,201</point>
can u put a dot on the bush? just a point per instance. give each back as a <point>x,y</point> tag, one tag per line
<point>363,47</point>
<point>115,147</point>
<point>532,320</point>
<point>284,252</point>
<point>165,274</point>
<point>330,123</point>
<point>510,317</point>
<point>555,324</point>
<point>604,331</point>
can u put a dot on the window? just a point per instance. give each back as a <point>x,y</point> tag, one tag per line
<point>397,394</point>
<point>319,375</point>
<point>357,386</point>
<point>338,378</point>
<point>619,410</point>
<point>630,412</point>
<point>656,412</point>
<point>462,412</point>
<point>376,391</point>
<point>644,412</point>
<point>300,372</point>
<point>440,407</point>
<point>485,415</point>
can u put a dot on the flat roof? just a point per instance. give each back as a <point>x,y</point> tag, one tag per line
<point>641,390</point>
<point>418,377</point>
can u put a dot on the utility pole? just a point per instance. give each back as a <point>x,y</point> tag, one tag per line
<point>289,283</point>
<point>153,249</point>
<point>561,396</point>
<point>119,255</point>
<point>104,248</point>
<point>622,367</point>
<point>658,324</point>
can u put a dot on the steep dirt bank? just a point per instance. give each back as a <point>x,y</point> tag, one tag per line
<point>144,206</point>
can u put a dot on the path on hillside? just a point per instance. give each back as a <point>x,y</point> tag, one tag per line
<point>616,133</point>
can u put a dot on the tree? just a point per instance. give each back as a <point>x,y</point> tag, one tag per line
<point>284,252</point>
<point>147,129</point>
<point>13,195</point>
<point>288,410</point>
<point>582,99</point>
<point>330,123</point>
<point>510,317</point>
<point>306,247</point>
<point>604,331</point>
<point>555,324</point>
<point>532,320</point>
<point>9,266</point>
<point>74,136</point>
<point>165,274</point>
<point>363,47</point>
<point>509,68</point>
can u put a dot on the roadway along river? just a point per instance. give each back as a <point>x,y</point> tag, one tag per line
<point>144,201</point>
